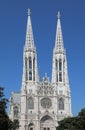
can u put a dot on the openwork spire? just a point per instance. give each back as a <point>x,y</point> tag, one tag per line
<point>29,43</point>
<point>59,69</point>
<point>59,38</point>
<point>30,69</point>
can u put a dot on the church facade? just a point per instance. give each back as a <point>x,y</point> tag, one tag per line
<point>40,105</point>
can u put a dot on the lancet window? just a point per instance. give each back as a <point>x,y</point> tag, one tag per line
<point>16,112</point>
<point>26,68</point>
<point>56,65</point>
<point>30,75</point>
<point>34,69</point>
<point>30,63</point>
<point>60,65</point>
<point>60,76</point>
<point>61,104</point>
<point>30,103</point>
<point>30,68</point>
<point>56,70</point>
<point>60,70</point>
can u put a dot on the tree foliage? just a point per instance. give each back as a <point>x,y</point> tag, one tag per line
<point>15,124</point>
<point>73,123</point>
<point>3,101</point>
<point>5,122</point>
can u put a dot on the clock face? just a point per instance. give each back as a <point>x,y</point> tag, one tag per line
<point>46,103</point>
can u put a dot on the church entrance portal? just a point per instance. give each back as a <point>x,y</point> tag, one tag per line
<point>31,126</point>
<point>46,123</point>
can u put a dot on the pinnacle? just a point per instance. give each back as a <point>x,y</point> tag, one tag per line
<point>29,12</point>
<point>59,38</point>
<point>29,33</point>
<point>58,15</point>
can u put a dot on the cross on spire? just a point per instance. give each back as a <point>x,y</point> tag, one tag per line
<point>58,15</point>
<point>59,38</point>
<point>29,12</point>
<point>29,33</point>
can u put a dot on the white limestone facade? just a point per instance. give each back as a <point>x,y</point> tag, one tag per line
<point>41,104</point>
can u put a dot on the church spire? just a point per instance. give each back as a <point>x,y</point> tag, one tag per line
<point>30,68</point>
<point>29,43</point>
<point>59,38</point>
<point>59,68</point>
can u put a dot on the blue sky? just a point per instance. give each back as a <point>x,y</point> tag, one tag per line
<point>13,20</point>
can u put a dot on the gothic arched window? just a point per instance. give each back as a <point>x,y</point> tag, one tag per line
<point>34,69</point>
<point>56,65</point>
<point>30,75</point>
<point>60,65</point>
<point>30,103</point>
<point>60,76</point>
<point>61,104</point>
<point>30,68</point>
<point>56,70</point>
<point>16,112</point>
<point>30,63</point>
<point>26,68</point>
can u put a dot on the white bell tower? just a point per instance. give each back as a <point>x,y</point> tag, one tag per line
<point>59,69</point>
<point>30,69</point>
<point>30,77</point>
<point>60,73</point>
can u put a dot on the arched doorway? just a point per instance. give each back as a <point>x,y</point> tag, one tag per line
<point>31,126</point>
<point>47,123</point>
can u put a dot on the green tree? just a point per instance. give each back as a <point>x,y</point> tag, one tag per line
<point>67,123</point>
<point>3,101</point>
<point>73,123</point>
<point>5,122</point>
<point>81,119</point>
<point>15,124</point>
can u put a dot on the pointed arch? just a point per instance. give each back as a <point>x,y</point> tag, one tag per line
<point>60,65</point>
<point>30,63</point>
<point>61,104</point>
<point>30,103</point>
<point>31,126</point>
<point>60,76</point>
<point>16,112</point>
<point>56,64</point>
<point>60,70</point>
<point>34,69</point>
<point>30,68</point>
<point>46,117</point>
<point>26,64</point>
<point>46,123</point>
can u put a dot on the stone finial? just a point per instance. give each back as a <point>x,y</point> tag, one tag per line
<point>29,12</point>
<point>58,15</point>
